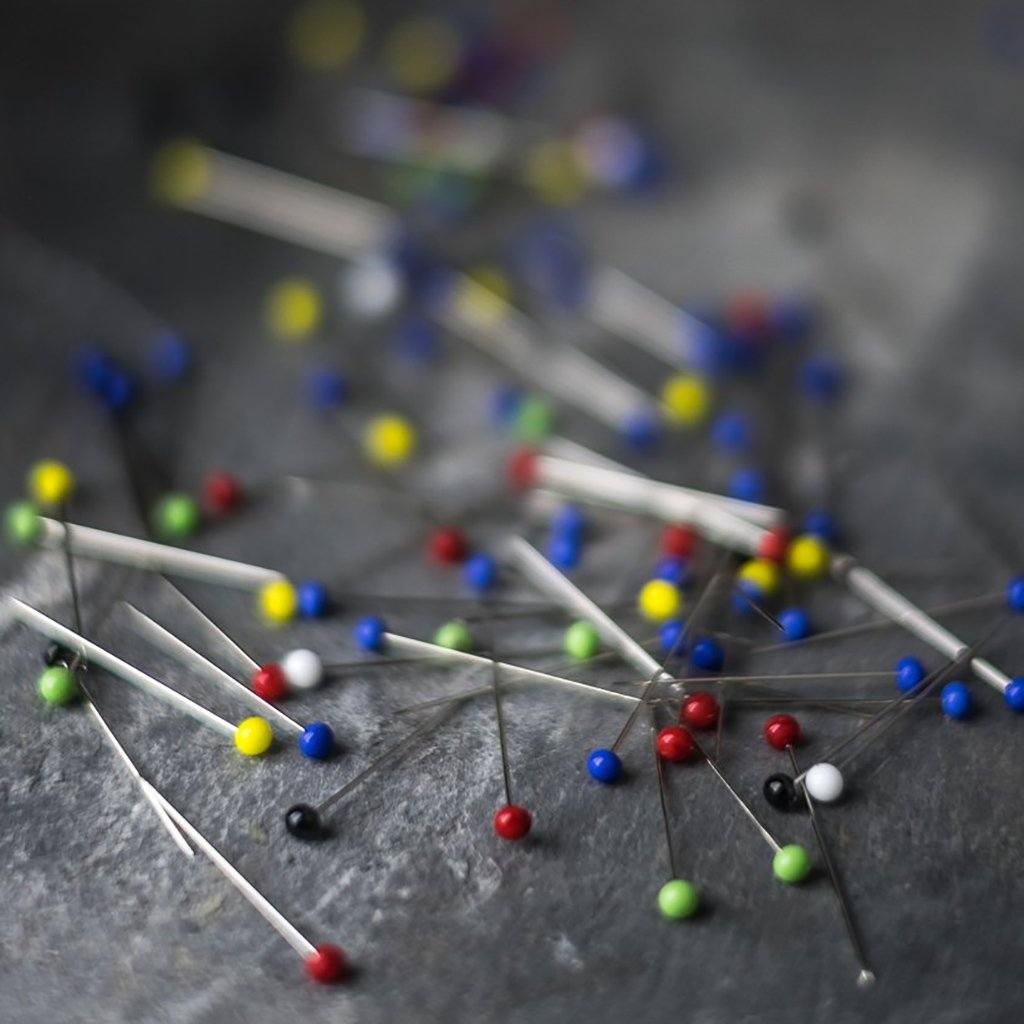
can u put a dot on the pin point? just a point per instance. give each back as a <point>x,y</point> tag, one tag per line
<point>677,898</point>
<point>96,655</point>
<point>324,963</point>
<point>305,821</point>
<point>315,740</point>
<point>511,821</point>
<point>87,542</point>
<point>866,977</point>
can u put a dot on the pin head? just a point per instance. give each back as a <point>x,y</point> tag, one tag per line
<point>824,782</point>
<point>505,402</point>
<point>50,483</point>
<point>569,521</point>
<point>1015,594</point>
<point>781,731</point>
<point>176,516</point>
<point>820,523</point>
<point>747,485</point>
<point>641,430</point>
<point>673,570</point>
<point>22,523</point>
<point>512,822</point>
<point>700,710</point>
<point>269,682</point>
<point>822,378</point>
<point>326,388</point>
<point>313,599</point>
<point>659,600</point>
<point>678,899</point>
<point>732,431</point>
<point>582,641</point>
<point>909,672</point>
<point>564,551</point>
<point>278,602</point>
<point>686,399</point>
<point>170,357</point>
<point>253,736</point>
<point>773,545</point>
<point>222,493</point>
<point>389,440</point>
<point>480,573</point>
<point>369,634</point>
<point>521,468</point>
<point>956,701</point>
<point>791,864</point>
<point>302,669</point>
<point>294,309</point>
<point>455,636</point>
<point>56,685</point>
<point>675,744</point>
<point>808,557</point>
<point>604,765</point>
<point>780,791</point>
<point>535,418</point>
<point>707,654</point>
<point>761,574</point>
<point>316,741</point>
<point>678,541</point>
<point>326,964</point>
<point>670,637</point>
<point>796,624</point>
<point>1014,694</point>
<point>303,822</point>
<point>448,545</point>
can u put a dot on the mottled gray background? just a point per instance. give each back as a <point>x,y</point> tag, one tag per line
<point>869,153</point>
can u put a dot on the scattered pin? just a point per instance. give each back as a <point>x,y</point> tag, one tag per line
<point>252,736</point>
<point>316,740</point>
<point>324,963</point>
<point>511,821</point>
<point>677,898</point>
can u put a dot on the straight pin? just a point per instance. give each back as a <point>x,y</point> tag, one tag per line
<point>677,898</point>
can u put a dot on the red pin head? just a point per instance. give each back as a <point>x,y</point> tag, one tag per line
<point>522,468</point>
<point>448,545</point>
<point>675,743</point>
<point>774,544</point>
<point>326,964</point>
<point>269,682</point>
<point>781,731</point>
<point>699,710</point>
<point>222,493</point>
<point>512,822</point>
<point>678,541</point>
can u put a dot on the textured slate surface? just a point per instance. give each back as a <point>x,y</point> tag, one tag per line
<point>896,127</point>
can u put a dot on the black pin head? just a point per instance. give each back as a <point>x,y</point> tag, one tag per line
<point>303,822</point>
<point>780,791</point>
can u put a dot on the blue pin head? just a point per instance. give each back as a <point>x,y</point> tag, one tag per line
<point>569,521</point>
<point>316,741</point>
<point>822,378</point>
<point>909,672</point>
<point>1014,694</point>
<point>670,637</point>
<point>326,388</point>
<point>170,357</point>
<point>480,573</point>
<point>796,624</point>
<point>747,485</point>
<point>369,633</point>
<point>604,765</point>
<point>956,701</point>
<point>674,570</point>
<point>707,654</point>
<point>1015,594</point>
<point>505,404</point>
<point>417,340</point>
<point>641,430</point>
<point>314,601</point>
<point>732,431</point>
<point>564,551</point>
<point>820,523</point>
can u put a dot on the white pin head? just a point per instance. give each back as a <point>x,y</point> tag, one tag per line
<point>370,287</point>
<point>303,669</point>
<point>824,783</point>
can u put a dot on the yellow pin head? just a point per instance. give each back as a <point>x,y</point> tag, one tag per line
<point>389,440</point>
<point>659,600</point>
<point>686,399</point>
<point>326,34</point>
<point>253,736</point>
<point>554,173</point>
<point>761,574</point>
<point>807,557</point>
<point>50,483</point>
<point>180,172</point>
<point>278,602</point>
<point>294,309</point>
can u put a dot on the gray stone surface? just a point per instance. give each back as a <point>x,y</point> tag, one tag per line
<point>903,130</point>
